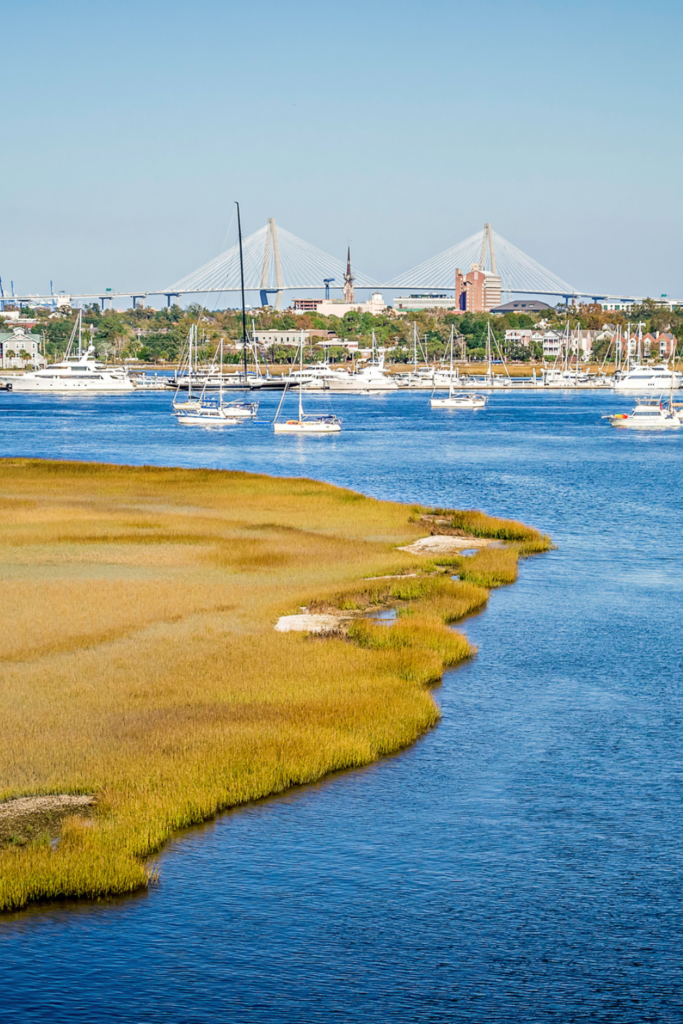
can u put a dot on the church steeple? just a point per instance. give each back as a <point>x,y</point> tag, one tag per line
<point>348,279</point>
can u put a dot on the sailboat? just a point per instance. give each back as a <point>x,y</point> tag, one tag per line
<point>210,410</point>
<point>461,400</point>
<point>305,424</point>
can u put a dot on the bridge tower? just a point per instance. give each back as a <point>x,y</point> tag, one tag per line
<point>487,243</point>
<point>271,240</point>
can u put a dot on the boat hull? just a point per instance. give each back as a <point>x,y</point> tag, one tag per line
<point>299,427</point>
<point>451,403</point>
<point>65,386</point>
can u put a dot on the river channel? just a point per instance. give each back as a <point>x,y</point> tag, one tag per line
<point>521,863</point>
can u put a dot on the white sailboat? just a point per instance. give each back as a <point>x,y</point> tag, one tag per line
<point>209,410</point>
<point>305,423</point>
<point>460,400</point>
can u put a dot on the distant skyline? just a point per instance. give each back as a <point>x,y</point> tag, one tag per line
<point>130,129</point>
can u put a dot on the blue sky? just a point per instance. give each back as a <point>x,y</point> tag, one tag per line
<point>130,129</point>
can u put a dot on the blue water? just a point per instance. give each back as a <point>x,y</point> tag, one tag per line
<point>522,862</point>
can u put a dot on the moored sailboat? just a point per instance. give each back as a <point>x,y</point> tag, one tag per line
<point>305,422</point>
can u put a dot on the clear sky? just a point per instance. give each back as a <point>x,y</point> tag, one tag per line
<point>129,128</point>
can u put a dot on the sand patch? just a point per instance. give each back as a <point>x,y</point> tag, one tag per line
<point>307,623</point>
<point>31,817</point>
<point>444,544</point>
<point>44,804</point>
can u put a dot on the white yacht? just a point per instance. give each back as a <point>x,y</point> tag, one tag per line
<point>649,414</point>
<point>463,400</point>
<point>83,374</point>
<point>79,373</point>
<point>649,379</point>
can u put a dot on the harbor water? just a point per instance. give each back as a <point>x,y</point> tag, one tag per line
<point>521,863</point>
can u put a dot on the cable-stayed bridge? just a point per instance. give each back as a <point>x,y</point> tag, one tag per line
<point>277,261</point>
<point>518,272</point>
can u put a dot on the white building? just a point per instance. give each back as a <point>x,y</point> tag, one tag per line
<point>554,342</point>
<point>618,304</point>
<point>521,337</point>
<point>290,339</point>
<point>339,307</point>
<point>427,300</point>
<point>14,344</point>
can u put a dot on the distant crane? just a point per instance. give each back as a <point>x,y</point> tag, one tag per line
<point>327,281</point>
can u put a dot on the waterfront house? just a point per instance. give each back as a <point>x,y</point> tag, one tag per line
<point>18,349</point>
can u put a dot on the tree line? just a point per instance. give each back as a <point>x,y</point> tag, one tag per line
<point>158,335</point>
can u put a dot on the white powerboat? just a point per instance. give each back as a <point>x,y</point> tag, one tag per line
<point>653,379</point>
<point>82,375</point>
<point>649,414</point>
<point>149,382</point>
<point>462,400</point>
<point>79,374</point>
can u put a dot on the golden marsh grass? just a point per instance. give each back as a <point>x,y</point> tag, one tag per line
<point>139,661</point>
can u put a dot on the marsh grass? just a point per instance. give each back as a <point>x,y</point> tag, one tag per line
<point>478,524</point>
<point>138,660</point>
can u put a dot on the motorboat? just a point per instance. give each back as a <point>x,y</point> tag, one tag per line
<point>651,379</point>
<point>462,400</point>
<point>80,375</point>
<point>648,414</point>
<point>149,382</point>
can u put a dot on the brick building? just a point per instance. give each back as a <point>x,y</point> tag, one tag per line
<point>478,291</point>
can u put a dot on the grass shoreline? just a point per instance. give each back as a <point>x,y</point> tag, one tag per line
<point>140,662</point>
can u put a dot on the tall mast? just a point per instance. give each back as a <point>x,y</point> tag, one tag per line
<point>220,393</point>
<point>80,327</point>
<point>301,379</point>
<point>450,379</point>
<point>244,311</point>
<point>488,350</point>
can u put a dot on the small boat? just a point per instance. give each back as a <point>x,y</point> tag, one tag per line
<point>305,423</point>
<point>149,382</point>
<point>205,416</point>
<point>309,425</point>
<point>460,399</point>
<point>649,414</point>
